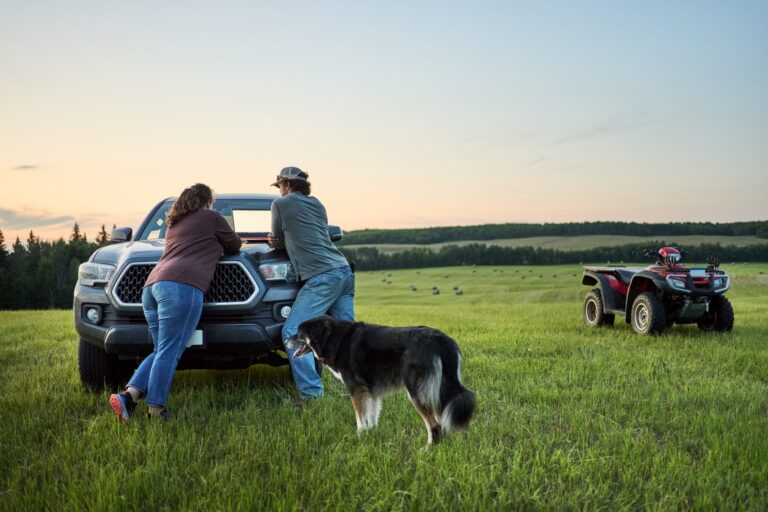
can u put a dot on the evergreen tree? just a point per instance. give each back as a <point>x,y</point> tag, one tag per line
<point>33,248</point>
<point>3,250</point>
<point>102,238</point>
<point>47,294</point>
<point>60,254</point>
<point>18,247</point>
<point>36,287</point>
<point>4,289</point>
<point>75,236</point>
<point>17,280</point>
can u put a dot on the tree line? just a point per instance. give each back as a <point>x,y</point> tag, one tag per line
<point>370,258</point>
<point>501,231</point>
<point>42,274</point>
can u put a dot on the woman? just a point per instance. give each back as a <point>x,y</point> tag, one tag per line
<point>173,295</point>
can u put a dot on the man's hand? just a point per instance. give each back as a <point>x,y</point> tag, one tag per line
<point>272,240</point>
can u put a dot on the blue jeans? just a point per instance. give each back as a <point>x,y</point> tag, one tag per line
<point>332,293</point>
<point>172,311</point>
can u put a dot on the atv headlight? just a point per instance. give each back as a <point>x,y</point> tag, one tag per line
<point>90,274</point>
<point>677,284</point>
<point>721,283</point>
<point>275,271</point>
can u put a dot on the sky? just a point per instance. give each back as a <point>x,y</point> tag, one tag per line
<point>403,113</point>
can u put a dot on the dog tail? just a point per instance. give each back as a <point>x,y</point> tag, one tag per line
<point>458,402</point>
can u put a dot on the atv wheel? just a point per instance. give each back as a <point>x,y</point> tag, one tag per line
<point>648,316</point>
<point>720,316</point>
<point>594,312</point>
<point>97,368</point>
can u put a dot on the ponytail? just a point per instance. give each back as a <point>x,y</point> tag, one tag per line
<point>191,199</point>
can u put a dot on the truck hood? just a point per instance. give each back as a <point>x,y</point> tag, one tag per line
<point>117,254</point>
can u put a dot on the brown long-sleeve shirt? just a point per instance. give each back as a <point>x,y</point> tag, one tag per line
<point>193,246</point>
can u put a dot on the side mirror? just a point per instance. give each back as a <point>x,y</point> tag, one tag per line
<point>335,233</point>
<point>121,235</point>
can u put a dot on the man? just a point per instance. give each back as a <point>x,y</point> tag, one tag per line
<point>300,225</point>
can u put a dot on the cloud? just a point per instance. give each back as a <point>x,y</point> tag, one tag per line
<point>536,161</point>
<point>11,219</point>
<point>617,125</point>
<point>25,167</point>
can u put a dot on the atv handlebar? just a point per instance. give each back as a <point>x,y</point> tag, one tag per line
<point>654,254</point>
<point>713,262</point>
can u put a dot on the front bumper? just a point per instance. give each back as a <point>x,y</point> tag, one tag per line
<point>235,334</point>
<point>694,286</point>
<point>240,340</point>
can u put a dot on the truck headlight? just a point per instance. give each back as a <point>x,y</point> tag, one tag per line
<point>90,274</point>
<point>275,271</point>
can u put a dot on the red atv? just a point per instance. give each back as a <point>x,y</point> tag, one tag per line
<point>662,294</point>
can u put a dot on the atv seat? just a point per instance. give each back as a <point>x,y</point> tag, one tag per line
<point>625,275</point>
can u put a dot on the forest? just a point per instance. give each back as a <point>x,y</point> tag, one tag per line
<point>501,231</point>
<point>370,258</point>
<point>39,274</point>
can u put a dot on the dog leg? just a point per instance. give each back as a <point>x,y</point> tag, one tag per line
<point>357,405</point>
<point>434,431</point>
<point>375,410</point>
<point>367,409</point>
<point>371,410</point>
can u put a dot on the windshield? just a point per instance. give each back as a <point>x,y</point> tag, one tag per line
<point>245,216</point>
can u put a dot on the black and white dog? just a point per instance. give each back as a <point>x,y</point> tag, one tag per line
<point>374,360</point>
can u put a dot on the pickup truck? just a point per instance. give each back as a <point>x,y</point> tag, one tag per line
<point>243,313</point>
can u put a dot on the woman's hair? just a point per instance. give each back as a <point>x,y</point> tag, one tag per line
<point>302,186</point>
<point>191,199</point>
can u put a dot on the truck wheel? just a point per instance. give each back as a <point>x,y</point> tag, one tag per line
<point>648,316</point>
<point>594,310</point>
<point>99,369</point>
<point>720,316</point>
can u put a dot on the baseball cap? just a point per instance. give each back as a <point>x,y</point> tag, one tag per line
<point>290,173</point>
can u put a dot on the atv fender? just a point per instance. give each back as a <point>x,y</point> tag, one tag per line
<point>612,301</point>
<point>641,282</point>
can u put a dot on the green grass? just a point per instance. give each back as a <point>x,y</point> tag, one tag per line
<point>571,243</point>
<point>568,417</point>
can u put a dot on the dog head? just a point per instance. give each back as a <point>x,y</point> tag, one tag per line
<point>315,335</point>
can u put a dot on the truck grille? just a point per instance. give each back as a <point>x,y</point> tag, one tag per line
<point>232,284</point>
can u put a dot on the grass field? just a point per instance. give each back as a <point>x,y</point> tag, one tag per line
<point>571,243</point>
<point>568,417</point>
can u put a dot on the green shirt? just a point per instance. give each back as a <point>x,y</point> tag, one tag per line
<point>301,224</point>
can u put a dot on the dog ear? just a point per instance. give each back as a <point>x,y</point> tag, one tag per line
<point>314,329</point>
<point>321,332</point>
<point>331,340</point>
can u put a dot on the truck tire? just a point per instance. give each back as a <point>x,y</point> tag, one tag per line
<point>720,317</point>
<point>594,310</point>
<point>648,315</point>
<point>99,369</point>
